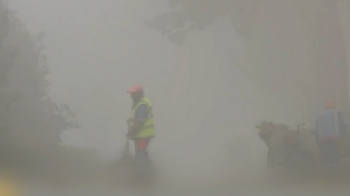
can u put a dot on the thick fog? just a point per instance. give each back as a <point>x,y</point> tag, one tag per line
<point>96,50</point>
<point>211,90</point>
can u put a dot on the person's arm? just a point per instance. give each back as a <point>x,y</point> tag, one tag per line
<point>342,124</point>
<point>140,118</point>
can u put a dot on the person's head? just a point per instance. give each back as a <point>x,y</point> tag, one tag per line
<point>136,93</point>
<point>329,104</point>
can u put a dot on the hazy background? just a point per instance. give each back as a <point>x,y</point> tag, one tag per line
<point>97,49</point>
<point>212,69</point>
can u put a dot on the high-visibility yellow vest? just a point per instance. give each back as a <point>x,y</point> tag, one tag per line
<point>147,129</point>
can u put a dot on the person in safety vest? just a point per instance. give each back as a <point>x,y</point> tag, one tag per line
<point>141,125</point>
<point>329,130</point>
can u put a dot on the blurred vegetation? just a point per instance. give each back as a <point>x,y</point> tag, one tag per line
<point>187,16</point>
<point>30,122</point>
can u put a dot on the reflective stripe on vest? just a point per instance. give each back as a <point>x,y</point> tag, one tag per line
<point>147,129</point>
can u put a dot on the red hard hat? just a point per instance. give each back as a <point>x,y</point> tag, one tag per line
<point>135,88</point>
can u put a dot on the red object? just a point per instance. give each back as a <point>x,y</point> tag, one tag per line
<point>142,143</point>
<point>135,88</point>
<point>329,104</point>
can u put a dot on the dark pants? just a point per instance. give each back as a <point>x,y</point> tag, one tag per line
<point>143,162</point>
<point>330,152</point>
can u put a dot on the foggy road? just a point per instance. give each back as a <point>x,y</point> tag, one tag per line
<point>278,186</point>
<point>314,191</point>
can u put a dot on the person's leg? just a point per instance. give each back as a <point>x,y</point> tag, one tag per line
<point>338,154</point>
<point>330,155</point>
<point>335,154</point>
<point>329,152</point>
<point>137,151</point>
<point>323,152</point>
<point>333,157</point>
<point>143,162</point>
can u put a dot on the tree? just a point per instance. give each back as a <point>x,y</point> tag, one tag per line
<point>295,50</point>
<point>31,123</point>
<point>189,16</point>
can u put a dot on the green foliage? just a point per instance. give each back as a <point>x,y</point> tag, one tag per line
<point>30,121</point>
